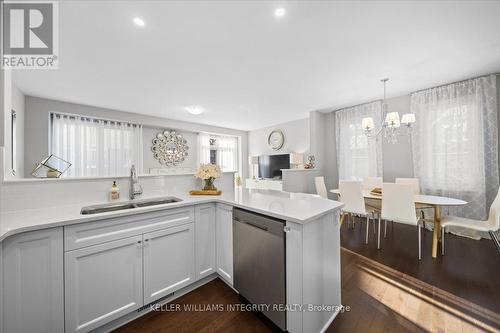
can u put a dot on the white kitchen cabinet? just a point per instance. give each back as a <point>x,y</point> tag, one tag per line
<point>205,240</point>
<point>169,261</point>
<point>103,282</point>
<point>32,268</point>
<point>224,236</point>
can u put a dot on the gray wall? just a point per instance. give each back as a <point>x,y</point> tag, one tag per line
<point>331,172</point>
<point>397,158</point>
<point>296,138</point>
<point>37,129</point>
<point>18,106</point>
<point>498,120</point>
<point>3,104</point>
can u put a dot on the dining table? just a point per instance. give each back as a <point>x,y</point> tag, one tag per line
<point>429,201</point>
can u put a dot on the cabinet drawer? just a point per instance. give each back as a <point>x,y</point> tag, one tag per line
<point>88,234</point>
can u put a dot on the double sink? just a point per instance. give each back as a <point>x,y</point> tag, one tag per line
<point>111,207</point>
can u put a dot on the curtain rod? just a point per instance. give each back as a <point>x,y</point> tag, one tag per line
<point>413,92</point>
<point>356,105</point>
<point>76,115</point>
<point>460,81</point>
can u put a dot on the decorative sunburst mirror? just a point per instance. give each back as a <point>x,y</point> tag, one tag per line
<point>169,148</point>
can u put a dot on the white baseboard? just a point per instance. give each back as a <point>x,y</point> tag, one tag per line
<point>330,321</point>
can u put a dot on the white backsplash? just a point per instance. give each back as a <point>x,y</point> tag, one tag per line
<point>29,194</point>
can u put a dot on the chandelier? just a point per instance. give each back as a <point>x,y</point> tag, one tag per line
<point>391,126</point>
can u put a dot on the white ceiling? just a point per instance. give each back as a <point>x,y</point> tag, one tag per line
<point>249,69</point>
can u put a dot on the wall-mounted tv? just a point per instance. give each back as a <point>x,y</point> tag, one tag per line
<point>270,165</point>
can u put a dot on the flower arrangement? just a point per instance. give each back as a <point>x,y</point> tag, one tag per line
<point>208,172</point>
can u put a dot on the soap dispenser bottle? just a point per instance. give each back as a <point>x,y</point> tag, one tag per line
<point>114,193</point>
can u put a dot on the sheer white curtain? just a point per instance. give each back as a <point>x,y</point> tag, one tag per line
<point>203,148</point>
<point>96,147</point>
<point>358,156</point>
<point>227,153</point>
<point>455,144</point>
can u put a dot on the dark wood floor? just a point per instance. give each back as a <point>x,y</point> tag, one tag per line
<point>387,291</point>
<point>470,269</point>
<point>213,293</point>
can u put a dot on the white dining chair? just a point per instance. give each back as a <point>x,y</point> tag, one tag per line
<point>319,182</point>
<point>491,225</point>
<point>369,183</point>
<point>398,206</point>
<point>351,195</point>
<point>415,184</point>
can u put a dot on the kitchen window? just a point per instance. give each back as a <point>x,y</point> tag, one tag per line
<point>219,149</point>
<point>96,147</point>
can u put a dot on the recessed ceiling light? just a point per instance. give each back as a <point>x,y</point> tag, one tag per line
<point>279,12</point>
<point>139,22</point>
<point>194,109</point>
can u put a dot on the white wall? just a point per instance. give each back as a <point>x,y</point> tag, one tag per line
<point>296,138</point>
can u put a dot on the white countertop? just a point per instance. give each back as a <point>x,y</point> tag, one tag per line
<point>294,207</point>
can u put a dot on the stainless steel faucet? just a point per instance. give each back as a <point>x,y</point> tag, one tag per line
<point>135,187</point>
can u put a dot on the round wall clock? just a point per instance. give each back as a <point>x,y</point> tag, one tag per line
<point>276,139</point>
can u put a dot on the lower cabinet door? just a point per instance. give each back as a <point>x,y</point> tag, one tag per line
<point>224,236</point>
<point>168,261</point>
<point>205,240</point>
<point>32,289</point>
<point>102,283</point>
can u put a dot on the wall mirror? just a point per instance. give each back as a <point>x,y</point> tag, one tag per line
<point>170,148</point>
<point>100,141</point>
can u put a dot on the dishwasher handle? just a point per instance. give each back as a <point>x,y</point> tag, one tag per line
<point>255,225</point>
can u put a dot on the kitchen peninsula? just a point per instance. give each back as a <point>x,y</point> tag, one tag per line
<point>102,270</point>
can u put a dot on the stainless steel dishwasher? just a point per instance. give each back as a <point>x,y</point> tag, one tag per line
<point>259,262</point>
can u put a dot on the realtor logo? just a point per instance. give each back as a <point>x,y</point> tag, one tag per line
<point>29,34</point>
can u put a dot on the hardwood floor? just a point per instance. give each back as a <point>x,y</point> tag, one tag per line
<point>386,291</point>
<point>467,270</point>
<point>459,292</point>
<point>383,299</point>
<point>215,292</point>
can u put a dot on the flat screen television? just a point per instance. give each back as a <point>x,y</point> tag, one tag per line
<point>270,165</point>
